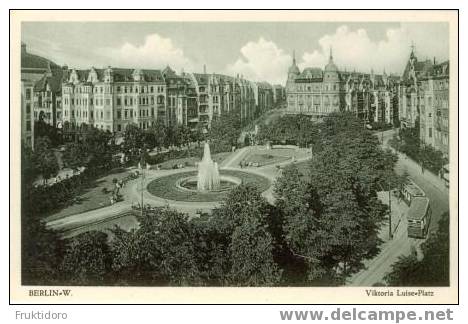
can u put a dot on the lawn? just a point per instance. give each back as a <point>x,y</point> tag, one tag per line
<point>272,156</point>
<point>265,159</point>
<point>165,187</point>
<point>191,161</point>
<point>91,197</point>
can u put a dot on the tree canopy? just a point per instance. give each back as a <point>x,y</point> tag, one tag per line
<point>434,269</point>
<point>332,215</point>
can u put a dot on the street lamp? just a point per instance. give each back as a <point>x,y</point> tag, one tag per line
<point>390,233</point>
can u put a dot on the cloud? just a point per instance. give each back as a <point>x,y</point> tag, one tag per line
<point>354,49</point>
<point>261,60</point>
<point>156,52</point>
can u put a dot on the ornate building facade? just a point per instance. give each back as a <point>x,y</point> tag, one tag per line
<point>33,68</point>
<point>318,92</point>
<point>424,98</point>
<point>112,98</point>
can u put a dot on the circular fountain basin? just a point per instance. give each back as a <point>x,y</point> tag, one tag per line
<point>225,183</point>
<point>183,186</point>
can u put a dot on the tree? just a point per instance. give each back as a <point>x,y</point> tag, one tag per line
<point>225,131</point>
<point>75,155</point>
<point>433,270</point>
<point>211,251</point>
<point>100,147</point>
<point>292,129</point>
<point>243,221</point>
<point>44,158</point>
<point>332,216</point>
<point>159,252</point>
<point>251,252</point>
<point>42,250</point>
<point>29,172</point>
<point>133,141</point>
<point>156,135</point>
<point>87,260</point>
<point>42,129</point>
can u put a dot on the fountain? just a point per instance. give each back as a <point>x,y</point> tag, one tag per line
<point>207,184</point>
<point>208,173</point>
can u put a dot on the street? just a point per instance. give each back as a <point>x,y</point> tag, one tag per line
<point>400,245</point>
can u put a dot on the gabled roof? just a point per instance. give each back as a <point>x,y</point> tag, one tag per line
<point>311,73</point>
<point>54,79</point>
<point>152,75</point>
<point>202,78</point>
<point>120,74</point>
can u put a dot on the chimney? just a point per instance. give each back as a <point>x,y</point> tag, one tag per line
<point>204,68</point>
<point>434,61</point>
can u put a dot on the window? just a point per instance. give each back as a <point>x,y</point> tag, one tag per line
<point>28,108</point>
<point>119,127</point>
<point>119,101</point>
<point>430,132</point>
<point>28,94</point>
<point>119,114</point>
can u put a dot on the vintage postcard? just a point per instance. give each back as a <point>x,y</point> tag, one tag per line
<point>234,157</point>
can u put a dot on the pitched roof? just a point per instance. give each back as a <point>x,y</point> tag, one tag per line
<point>54,79</point>
<point>311,73</point>
<point>202,78</point>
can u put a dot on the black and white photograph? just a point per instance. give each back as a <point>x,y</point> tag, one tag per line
<point>215,153</point>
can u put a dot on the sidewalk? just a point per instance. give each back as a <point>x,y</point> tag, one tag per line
<point>410,163</point>
<point>428,175</point>
<point>399,210</point>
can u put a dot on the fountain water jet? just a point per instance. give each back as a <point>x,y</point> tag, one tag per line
<point>208,173</point>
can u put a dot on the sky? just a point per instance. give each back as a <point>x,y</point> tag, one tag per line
<point>260,51</point>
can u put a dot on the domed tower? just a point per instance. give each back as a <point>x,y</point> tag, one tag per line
<point>291,95</point>
<point>293,73</point>
<point>331,85</point>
